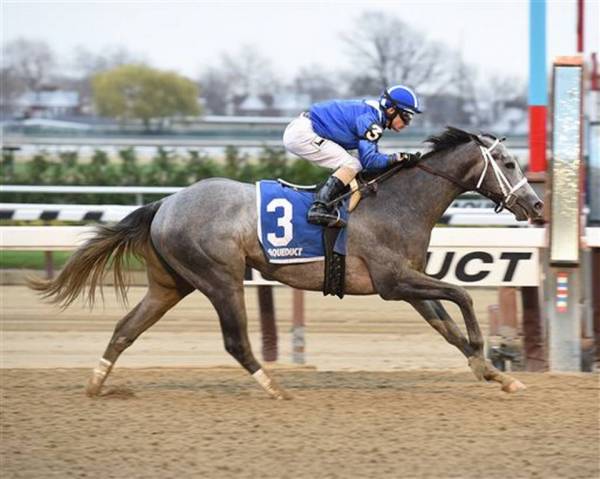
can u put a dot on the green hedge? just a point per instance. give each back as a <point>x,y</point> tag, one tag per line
<point>165,169</point>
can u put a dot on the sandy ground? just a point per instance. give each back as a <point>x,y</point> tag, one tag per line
<point>218,424</point>
<point>363,333</point>
<point>382,396</point>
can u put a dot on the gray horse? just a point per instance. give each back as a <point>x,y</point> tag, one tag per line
<point>204,236</point>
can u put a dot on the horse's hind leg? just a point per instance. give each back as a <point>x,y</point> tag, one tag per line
<point>228,300</point>
<point>164,291</point>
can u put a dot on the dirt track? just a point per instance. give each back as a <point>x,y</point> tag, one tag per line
<point>396,421</point>
<point>219,424</point>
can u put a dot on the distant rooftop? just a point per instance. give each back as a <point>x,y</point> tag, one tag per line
<point>50,99</point>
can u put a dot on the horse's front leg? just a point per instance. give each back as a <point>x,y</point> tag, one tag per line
<point>416,288</point>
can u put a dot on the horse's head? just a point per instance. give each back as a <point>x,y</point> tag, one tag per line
<point>500,178</point>
<point>482,163</point>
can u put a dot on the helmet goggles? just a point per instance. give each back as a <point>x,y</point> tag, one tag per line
<point>399,110</point>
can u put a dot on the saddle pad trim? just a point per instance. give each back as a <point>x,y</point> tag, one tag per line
<point>297,187</point>
<point>297,260</point>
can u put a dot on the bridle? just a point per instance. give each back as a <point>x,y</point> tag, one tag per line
<point>508,191</point>
<point>506,199</point>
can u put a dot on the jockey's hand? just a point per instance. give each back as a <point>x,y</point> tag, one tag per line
<point>406,159</point>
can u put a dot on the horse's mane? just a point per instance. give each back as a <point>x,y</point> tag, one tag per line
<point>452,137</point>
<point>449,138</point>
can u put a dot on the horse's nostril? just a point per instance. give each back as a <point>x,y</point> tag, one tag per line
<point>539,206</point>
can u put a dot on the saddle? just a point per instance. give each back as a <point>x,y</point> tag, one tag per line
<point>355,197</point>
<point>335,259</point>
<point>335,263</point>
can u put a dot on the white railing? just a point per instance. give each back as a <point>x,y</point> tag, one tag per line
<point>110,213</point>
<point>468,210</point>
<point>471,256</point>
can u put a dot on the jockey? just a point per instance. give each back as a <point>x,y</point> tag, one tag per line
<point>325,133</point>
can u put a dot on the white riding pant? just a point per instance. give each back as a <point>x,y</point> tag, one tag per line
<point>300,139</point>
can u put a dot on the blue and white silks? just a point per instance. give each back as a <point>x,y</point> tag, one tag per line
<point>284,233</point>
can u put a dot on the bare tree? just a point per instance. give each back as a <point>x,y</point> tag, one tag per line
<point>11,88</point>
<point>388,51</point>
<point>251,73</point>
<point>87,62</point>
<point>463,87</point>
<point>31,61</point>
<point>238,75</point>
<point>316,83</point>
<point>215,90</point>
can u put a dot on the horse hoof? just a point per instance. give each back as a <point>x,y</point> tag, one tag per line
<point>92,388</point>
<point>514,386</point>
<point>283,396</point>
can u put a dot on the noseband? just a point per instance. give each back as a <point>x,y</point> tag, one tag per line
<point>508,191</point>
<point>506,199</point>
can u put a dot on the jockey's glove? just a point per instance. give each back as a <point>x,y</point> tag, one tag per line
<point>405,159</point>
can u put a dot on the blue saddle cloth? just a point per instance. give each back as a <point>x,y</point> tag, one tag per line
<point>283,232</point>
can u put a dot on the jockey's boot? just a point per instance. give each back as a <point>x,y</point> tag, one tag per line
<point>319,213</point>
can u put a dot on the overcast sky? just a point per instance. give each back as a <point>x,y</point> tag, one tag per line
<point>185,36</point>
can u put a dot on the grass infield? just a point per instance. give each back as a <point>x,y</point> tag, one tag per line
<point>36,260</point>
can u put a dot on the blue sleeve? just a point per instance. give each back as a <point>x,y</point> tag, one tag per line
<point>369,157</point>
<point>370,131</point>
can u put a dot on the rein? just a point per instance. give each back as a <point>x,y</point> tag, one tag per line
<point>507,198</point>
<point>495,197</point>
<point>370,185</point>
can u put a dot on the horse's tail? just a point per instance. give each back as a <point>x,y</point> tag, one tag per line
<point>88,263</point>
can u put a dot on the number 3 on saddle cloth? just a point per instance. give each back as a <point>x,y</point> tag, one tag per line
<point>286,237</point>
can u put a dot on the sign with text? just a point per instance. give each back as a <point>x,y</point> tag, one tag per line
<point>485,266</point>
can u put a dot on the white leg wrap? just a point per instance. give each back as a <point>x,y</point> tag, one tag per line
<point>103,368</point>
<point>98,377</point>
<point>266,382</point>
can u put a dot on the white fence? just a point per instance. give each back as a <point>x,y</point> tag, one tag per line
<point>467,210</point>
<point>467,256</point>
<point>108,213</point>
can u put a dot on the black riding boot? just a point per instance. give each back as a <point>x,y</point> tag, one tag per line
<point>319,213</point>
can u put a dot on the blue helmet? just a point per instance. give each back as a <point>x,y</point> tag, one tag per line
<point>401,98</point>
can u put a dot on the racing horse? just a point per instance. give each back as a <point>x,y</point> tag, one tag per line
<point>203,237</point>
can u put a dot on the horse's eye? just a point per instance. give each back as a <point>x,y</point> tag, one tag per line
<point>510,166</point>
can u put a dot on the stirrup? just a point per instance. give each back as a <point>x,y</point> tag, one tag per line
<point>325,218</point>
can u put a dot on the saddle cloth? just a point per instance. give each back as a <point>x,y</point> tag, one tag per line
<point>283,232</point>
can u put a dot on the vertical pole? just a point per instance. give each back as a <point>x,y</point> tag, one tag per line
<point>508,312</point>
<point>267,323</point>
<point>49,262</point>
<point>538,90</point>
<point>563,273</point>
<point>596,300</point>
<point>564,323</point>
<point>298,343</point>
<point>533,332</point>
<point>580,25</point>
